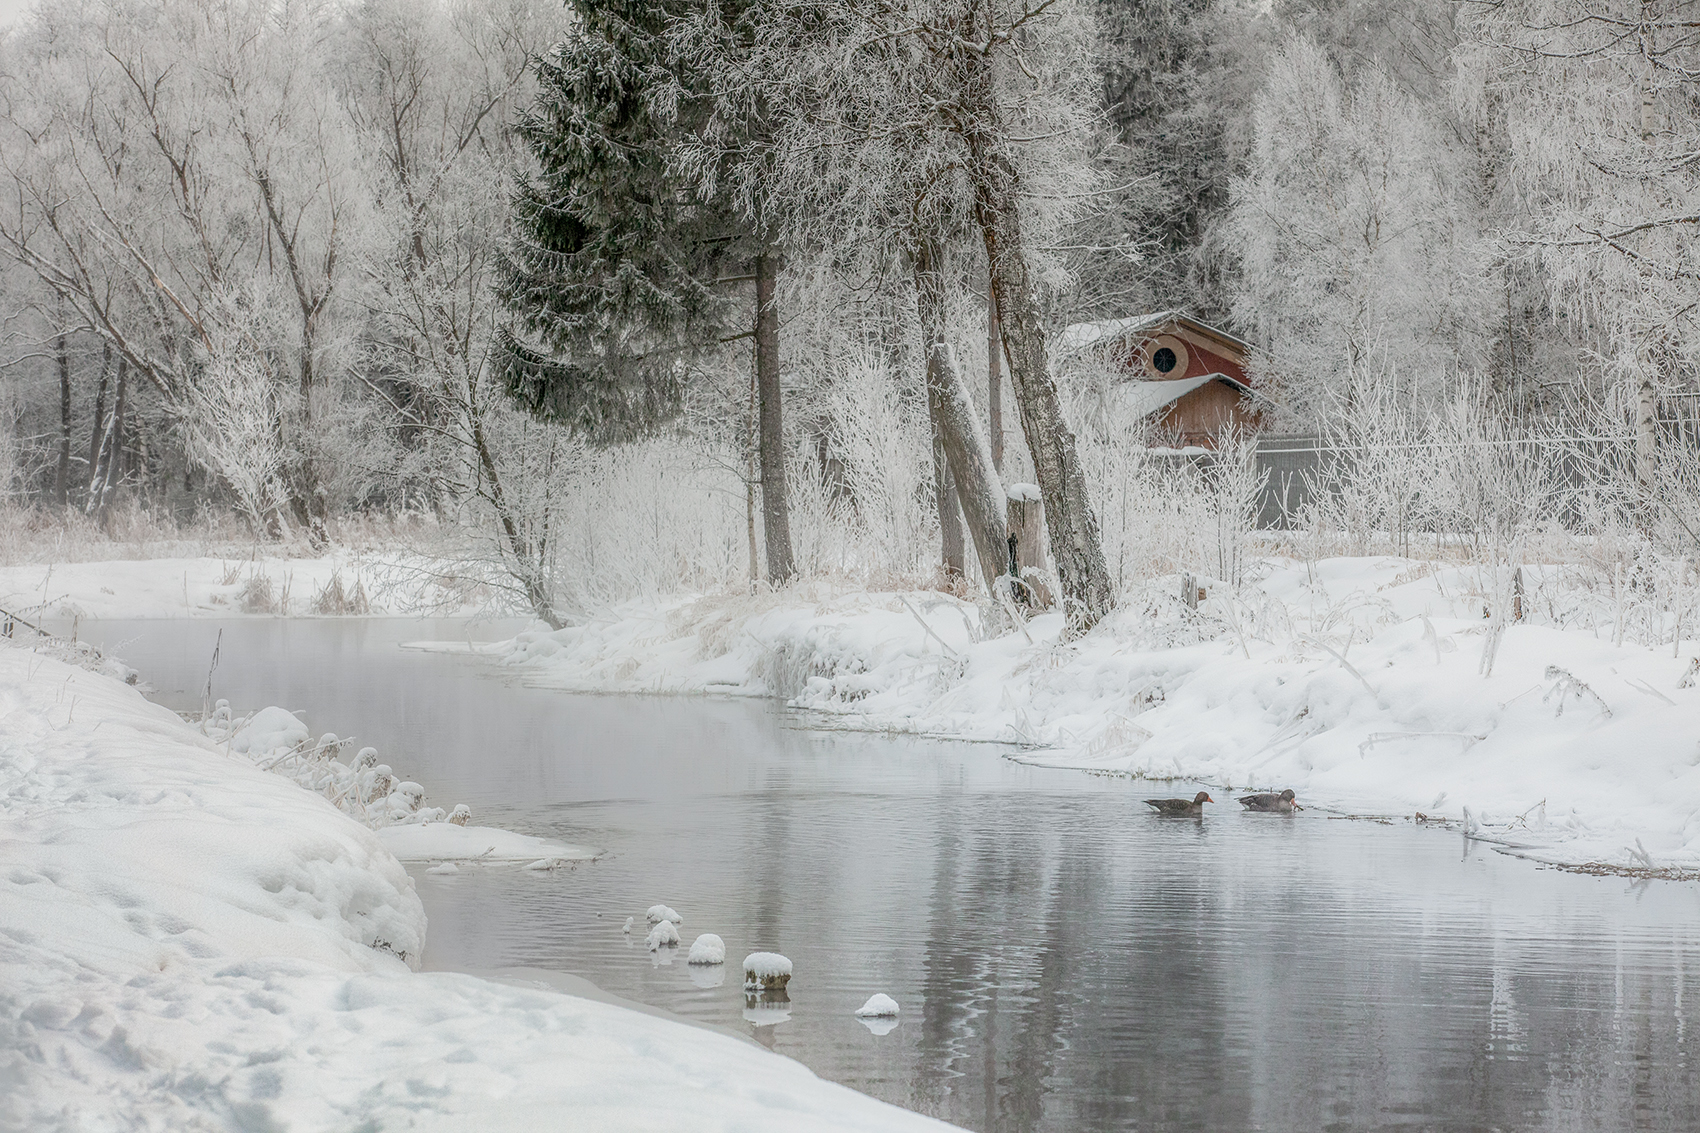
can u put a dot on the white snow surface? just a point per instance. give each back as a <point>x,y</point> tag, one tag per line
<point>708,949</point>
<point>268,729</point>
<point>446,842</point>
<point>1356,681</point>
<point>878,1006</point>
<point>213,587</point>
<point>190,943</point>
<point>766,965</point>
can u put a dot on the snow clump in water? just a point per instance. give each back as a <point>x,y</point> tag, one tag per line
<point>629,922</point>
<point>766,971</point>
<point>878,1006</point>
<point>708,949</point>
<point>658,913</point>
<point>663,935</point>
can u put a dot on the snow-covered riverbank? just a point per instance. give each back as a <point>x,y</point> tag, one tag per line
<point>338,583</point>
<point>1369,685</point>
<point>189,942</point>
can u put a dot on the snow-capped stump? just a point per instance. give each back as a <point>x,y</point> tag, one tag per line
<point>878,1006</point>
<point>664,935</point>
<point>659,913</point>
<point>708,949</point>
<point>629,922</point>
<point>461,814</point>
<point>766,971</point>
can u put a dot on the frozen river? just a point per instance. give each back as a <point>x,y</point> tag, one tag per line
<point>1064,960</point>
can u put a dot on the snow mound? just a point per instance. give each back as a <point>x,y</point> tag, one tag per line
<point>629,922</point>
<point>268,730</point>
<point>878,1006</point>
<point>1024,493</point>
<point>708,949</point>
<point>658,913</point>
<point>766,971</point>
<point>447,842</point>
<point>190,942</point>
<point>663,935</point>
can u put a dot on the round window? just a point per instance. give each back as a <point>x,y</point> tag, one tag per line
<point>1164,357</point>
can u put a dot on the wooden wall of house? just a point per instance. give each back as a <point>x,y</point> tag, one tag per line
<point>1197,417</point>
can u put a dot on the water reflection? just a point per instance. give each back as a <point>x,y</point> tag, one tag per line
<point>1066,960</point>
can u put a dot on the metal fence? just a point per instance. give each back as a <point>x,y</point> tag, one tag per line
<point>1292,466</point>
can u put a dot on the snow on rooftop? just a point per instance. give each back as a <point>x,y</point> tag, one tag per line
<point>1077,337</point>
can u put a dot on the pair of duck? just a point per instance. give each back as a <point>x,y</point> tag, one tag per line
<point>1284,802</point>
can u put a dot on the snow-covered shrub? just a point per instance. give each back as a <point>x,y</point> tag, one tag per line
<point>275,740</point>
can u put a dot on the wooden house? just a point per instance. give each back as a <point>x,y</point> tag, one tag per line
<point>1187,376</point>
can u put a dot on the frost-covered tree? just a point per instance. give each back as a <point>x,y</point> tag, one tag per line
<point>618,265</point>
<point>1599,108</point>
<point>1357,241</point>
<point>178,184</point>
<point>999,104</point>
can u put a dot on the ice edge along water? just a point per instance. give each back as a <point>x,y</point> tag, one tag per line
<point>189,942</point>
<point>1368,685</point>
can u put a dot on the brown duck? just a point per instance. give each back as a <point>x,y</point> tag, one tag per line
<point>1284,803</point>
<point>1181,807</point>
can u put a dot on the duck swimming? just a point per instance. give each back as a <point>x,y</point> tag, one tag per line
<point>1284,803</point>
<point>1181,807</point>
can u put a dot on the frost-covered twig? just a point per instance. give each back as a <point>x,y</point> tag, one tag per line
<point>1567,685</point>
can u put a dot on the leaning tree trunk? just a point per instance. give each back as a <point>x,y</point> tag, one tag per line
<point>967,452</point>
<point>775,509</point>
<point>105,480</point>
<point>953,551</point>
<point>62,477</point>
<point>97,431</point>
<point>994,377</point>
<point>1079,555</point>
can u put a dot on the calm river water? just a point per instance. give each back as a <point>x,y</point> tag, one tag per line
<point>1064,960</point>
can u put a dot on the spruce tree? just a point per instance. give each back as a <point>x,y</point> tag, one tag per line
<point>613,269</point>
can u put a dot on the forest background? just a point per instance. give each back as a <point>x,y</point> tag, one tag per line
<point>264,271</point>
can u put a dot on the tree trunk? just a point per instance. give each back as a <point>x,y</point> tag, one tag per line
<point>953,550</point>
<point>750,446</point>
<point>776,516</point>
<point>526,559</point>
<point>1027,546</point>
<point>1646,443</point>
<point>104,478</point>
<point>97,431</point>
<point>1075,545</point>
<point>994,376</point>
<point>62,480</point>
<point>967,453</point>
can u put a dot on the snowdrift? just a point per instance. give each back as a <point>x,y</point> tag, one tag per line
<point>1368,685</point>
<point>188,942</point>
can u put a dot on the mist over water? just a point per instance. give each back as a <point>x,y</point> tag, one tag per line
<point>1063,959</point>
